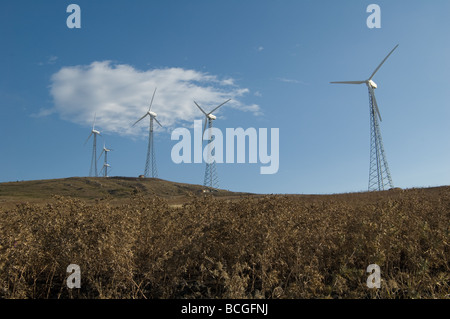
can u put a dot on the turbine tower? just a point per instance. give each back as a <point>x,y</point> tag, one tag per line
<point>150,163</point>
<point>105,161</point>
<point>379,174</point>
<point>211,179</point>
<point>93,170</point>
<point>105,169</point>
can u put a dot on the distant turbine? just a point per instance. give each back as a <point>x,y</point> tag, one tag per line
<point>379,175</point>
<point>150,163</point>
<point>211,179</point>
<point>93,170</point>
<point>105,161</point>
<point>105,169</point>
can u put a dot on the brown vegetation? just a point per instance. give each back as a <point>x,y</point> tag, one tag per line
<point>114,190</point>
<point>255,247</point>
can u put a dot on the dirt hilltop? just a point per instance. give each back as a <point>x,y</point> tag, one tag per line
<point>93,189</point>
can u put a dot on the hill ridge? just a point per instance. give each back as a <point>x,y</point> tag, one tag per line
<point>115,189</point>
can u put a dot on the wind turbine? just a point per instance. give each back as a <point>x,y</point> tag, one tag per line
<point>93,170</point>
<point>105,162</point>
<point>150,163</point>
<point>379,174</point>
<point>211,179</point>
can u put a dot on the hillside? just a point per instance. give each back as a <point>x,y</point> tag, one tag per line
<point>94,189</point>
<point>117,190</point>
<point>274,246</point>
<point>132,238</point>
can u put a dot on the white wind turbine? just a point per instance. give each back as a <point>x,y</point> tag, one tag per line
<point>151,159</point>
<point>379,174</point>
<point>105,161</point>
<point>94,132</point>
<point>211,179</point>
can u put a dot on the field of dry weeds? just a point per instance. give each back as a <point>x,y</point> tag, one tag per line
<point>270,247</point>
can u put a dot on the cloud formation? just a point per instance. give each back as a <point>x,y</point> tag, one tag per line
<point>51,60</point>
<point>119,95</point>
<point>286,80</point>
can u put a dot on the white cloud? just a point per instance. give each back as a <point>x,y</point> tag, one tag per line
<point>51,60</point>
<point>260,48</point>
<point>43,112</point>
<point>120,94</point>
<point>290,81</point>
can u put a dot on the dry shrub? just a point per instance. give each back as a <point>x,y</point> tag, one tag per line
<point>271,247</point>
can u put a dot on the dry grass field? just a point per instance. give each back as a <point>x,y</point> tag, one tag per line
<point>156,239</point>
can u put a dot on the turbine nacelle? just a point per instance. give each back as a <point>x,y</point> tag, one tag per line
<point>371,84</point>
<point>96,132</point>
<point>209,116</point>
<point>149,113</point>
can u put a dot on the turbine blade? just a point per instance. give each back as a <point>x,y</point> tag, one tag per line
<point>158,122</point>
<point>219,106</point>
<point>100,155</point>
<point>374,99</point>
<point>150,108</point>
<point>376,70</point>
<point>200,108</point>
<point>93,125</point>
<point>349,82</point>
<point>88,138</point>
<point>204,126</point>
<point>140,119</point>
<point>377,109</point>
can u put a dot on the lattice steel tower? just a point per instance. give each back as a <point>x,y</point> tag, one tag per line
<point>150,163</point>
<point>211,179</point>
<point>379,174</point>
<point>105,161</point>
<point>93,169</point>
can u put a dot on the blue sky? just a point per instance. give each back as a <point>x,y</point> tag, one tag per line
<point>275,59</point>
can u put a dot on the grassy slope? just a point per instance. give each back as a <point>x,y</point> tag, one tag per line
<point>252,246</point>
<point>112,189</point>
